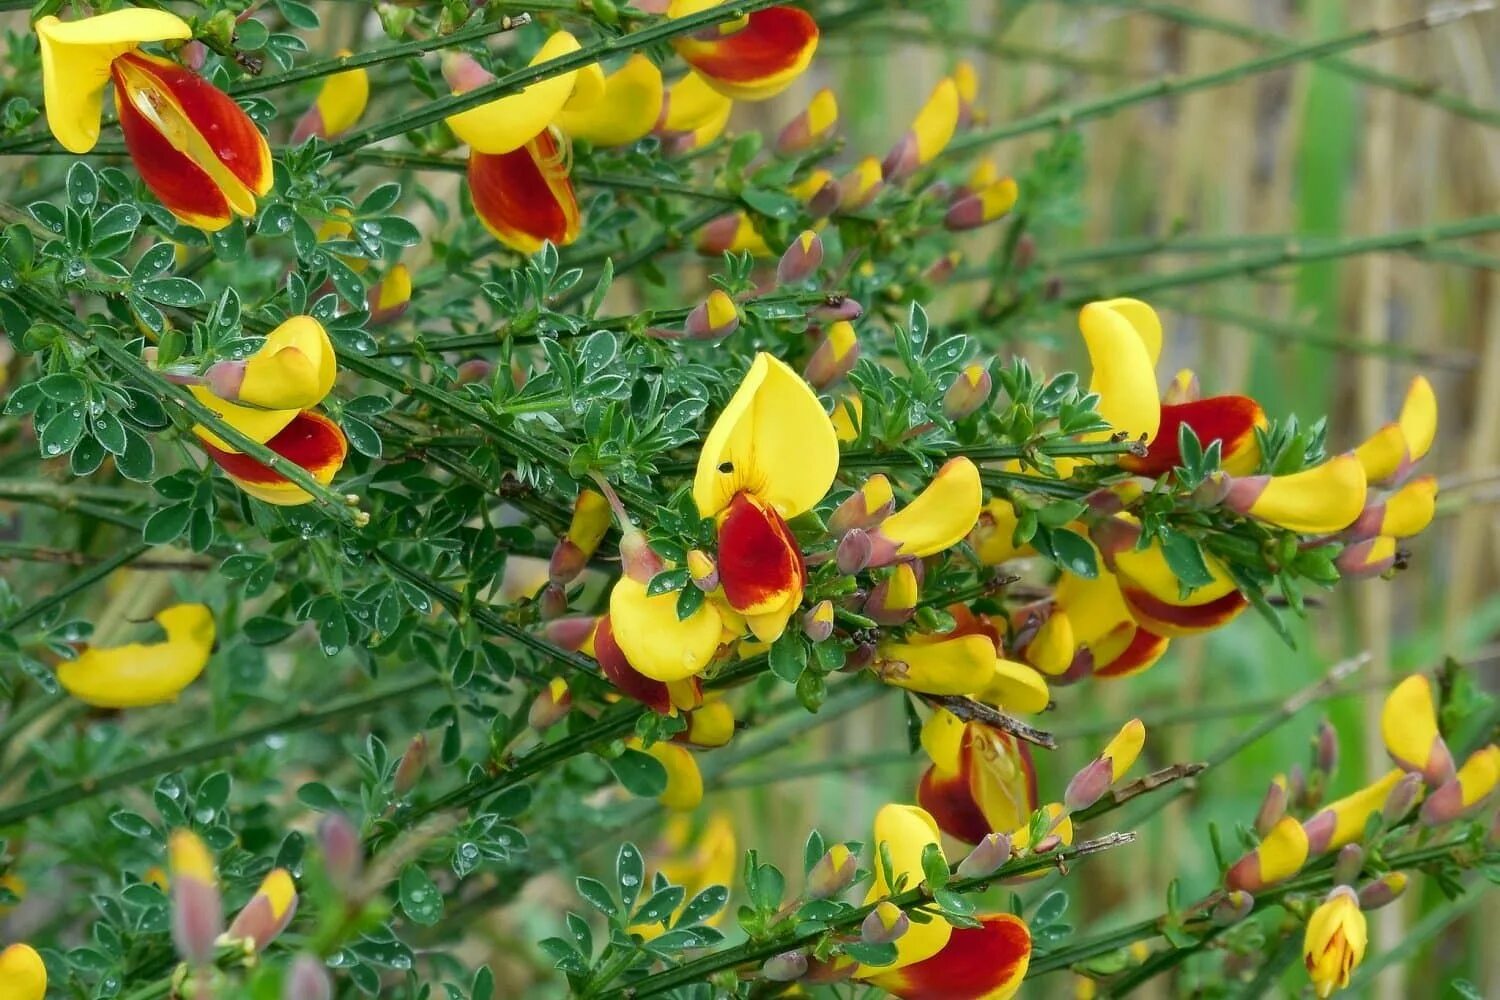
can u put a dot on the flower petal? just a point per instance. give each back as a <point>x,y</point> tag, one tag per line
<point>987,962</point>
<point>310,440</point>
<point>961,666</point>
<point>340,103</point>
<point>1123,337</point>
<point>525,197</point>
<point>684,789</point>
<point>76,58</point>
<point>1418,418</point>
<point>627,110</point>
<point>1323,499</point>
<point>929,135</point>
<point>940,516</point>
<point>268,912</point>
<point>1229,420</point>
<point>293,370</point>
<point>507,124</point>
<point>760,565</point>
<point>1279,856</point>
<point>773,441</point>
<point>654,640</point>
<point>1343,821</point>
<point>1015,687</point>
<point>139,674</point>
<point>906,830</point>
<point>993,537</point>
<point>1409,727</point>
<point>691,103</point>
<point>23,973</point>
<point>756,62</point>
<point>1142,651</point>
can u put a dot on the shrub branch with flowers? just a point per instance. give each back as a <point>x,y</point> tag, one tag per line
<point>384,545</point>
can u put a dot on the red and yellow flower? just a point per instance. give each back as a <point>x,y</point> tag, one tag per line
<point>1335,941</point>
<point>195,148</point>
<point>981,780</point>
<point>750,58</point>
<point>268,397</point>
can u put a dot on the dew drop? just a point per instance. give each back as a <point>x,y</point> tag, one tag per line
<point>629,881</point>
<point>54,449</point>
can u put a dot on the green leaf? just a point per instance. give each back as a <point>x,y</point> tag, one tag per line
<point>871,954</point>
<point>263,630</point>
<point>597,896</point>
<point>316,795</point>
<point>62,432</point>
<point>640,773</point>
<point>420,899</point>
<point>703,906</point>
<point>83,186</point>
<point>789,657</point>
<point>658,909</point>
<point>1051,909</point>
<point>137,461</point>
<point>689,600</point>
<point>630,874</point>
<point>934,867</point>
<point>166,524</point>
<point>667,581</point>
<point>1185,559</point>
<point>364,438</point>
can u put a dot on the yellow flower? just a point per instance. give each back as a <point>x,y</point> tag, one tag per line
<point>139,674</point>
<point>1409,726</point>
<point>929,135</point>
<point>1278,856</point>
<point>906,831</point>
<point>22,974</point>
<point>340,103</point>
<point>1335,941</point>
<point>507,124</point>
<point>627,111</point>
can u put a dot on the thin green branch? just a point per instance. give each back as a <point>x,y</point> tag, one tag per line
<point>1075,114</point>
<point>79,583</point>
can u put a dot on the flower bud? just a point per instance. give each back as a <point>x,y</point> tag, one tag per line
<point>1348,864</point>
<point>1466,790</point>
<point>1402,797</point>
<point>886,923</point>
<point>865,508</point>
<point>801,260</point>
<point>268,912</point>
<point>941,270</point>
<point>853,552</point>
<point>1047,844</point>
<point>1234,907</point>
<point>387,300</point>
<point>224,379</point>
<point>817,624</point>
<point>714,318</point>
<point>1088,785</point>
<point>463,73</point>
<point>832,874</point>
<point>1025,254</point>
<point>1368,558</point>
<point>474,370</point>
<point>637,559</point>
<point>837,307</point>
<point>1296,785</point>
<point>586,529</point>
<point>553,602</point>
<point>307,980</point>
<point>703,571</point>
<point>1272,807</point>
<point>834,970</point>
<point>1327,752</point>
<point>987,857</point>
<point>834,357</point>
<point>550,706</point>
<point>815,124</point>
<point>343,855</point>
<point>1386,889</point>
<point>197,910</point>
<point>861,184</point>
<point>982,207</point>
<point>572,633</point>
<point>788,967</point>
<point>968,393</point>
<point>1211,492</point>
<point>894,599</point>
<point>413,764</point>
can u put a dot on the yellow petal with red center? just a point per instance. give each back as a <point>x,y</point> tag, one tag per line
<point>1137,650</point>
<point>657,643</point>
<point>691,103</point>
<point>1117,335</point>
<point>773,441</point>
<point>627,110</point>
<point>139,674</point>
<point>1343,821</point>
<point>76,58</point>
<point>1316,501</point>
<point>1409,727</point>
<point>993,537</point>
<point>1015,687</point>
<point>1126,746</point>
<point>961,666</point>
<point>758,58</point>
<point>1148,570</point>
<point>1383,453</point>
<point>196,149</point>
<point>525,197</point>
<point>1279,856</point>
<point>1232,421</point>
<point>1335,941</point>
<point>684,789</point>
<point>507,124</point>
<point>941,515</point>
<point>1418,418</point>
<point>760,566</point>
<point>310,440</point>
<point>987,962</point>
<point>23,975</point>
<point>906,830</point>
<point>1002,779</point>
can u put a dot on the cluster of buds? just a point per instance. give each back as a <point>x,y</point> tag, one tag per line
<point>198,912</point>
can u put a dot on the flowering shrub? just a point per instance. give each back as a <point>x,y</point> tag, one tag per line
<point>394,547</point>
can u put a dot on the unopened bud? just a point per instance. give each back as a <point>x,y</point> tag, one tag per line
<point>837,307</point>
<point>307,980</point>
<point>714,318</point>
<point>1371,557</point>
<point>817,624</point>
<point>343,855</point>
<point>1212,491</point>
<point>224,379</point>
<point>1025,254</point>
<point>886,923</point>
<point>390,298</point>
<point>474,370</point>
<point>987,857</point>
<point>1052,288</point>
<point>1234,907</point>
<point>1296,785</point>
<point>1184,388</point>
<point>1347,866</point>
<point>825,200</point>
<point>637,559</point>
<point>1272,807</point>
<point>268,912</point>
<point>463,73</point>
<point>833,873</point>
<point>709,726</point>
<point>1327,752</point>
<point>812,126</point>
<point>982,207</point>
<point>1444,805</point>
<point>968,393</point>
<point>703,571</point>
<point>801,260</point>
<point>788,967</point>
<point>413,764</point>
<point>197,910</point>
<point>1088,785</point>
<point>570,633</point>
<point>853,552</point>
<point>550,706</point>
<point>894,599</point>
<point>553,602</point>
<point>834,357</point>
<point>861,184</point>
<point>1401,798</point>
<point>941,270</point>
<point>865,508</point>
<point>1047,844</point>
<point>1384,890</point>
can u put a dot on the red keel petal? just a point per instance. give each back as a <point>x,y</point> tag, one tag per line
<point>759,562</point>
<point>773,41</point>
<point>311,440</point>
<point>525,196</point>
<point>1230,420</point>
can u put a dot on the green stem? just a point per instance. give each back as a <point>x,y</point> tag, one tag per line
<point>224,746</point>
<point>1416,89</point>
<point>514,83</point>
<point>80,582</point>
<point>1074,114</point>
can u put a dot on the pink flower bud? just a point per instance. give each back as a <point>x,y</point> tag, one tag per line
<point>1025,254</point>
<point>788,967</point>
<point>1384,890</point>
<point>703,571</point>
<point>1371,557</point>
<point>1348,863</point>
<point>550,706</point>
<point>343,855</point>
<point>413,764</point>
<point>307,980</point>
<point>1327,748</point>
<point>834,357</point>
<point>553,602</point>
<point>463,73</point>
<point>940,270</point>
<point>833,873</point>
<point>713,319</point>
<point>1236,905</point>
<point>1088,785</point>
<point>987,857</point>
<point>825,200</point>
<point>801,260</point>
<point>817,624</point>
<point>1272,807</point>
<point>837,307</point>
<point>637,559</point>
<point>865,508</point>
<point>886,923</point>
<point>853,552</point>
<point>268,912</point>
<point>968,393</point>
<point>570,633</point>
<point>1401,798</point>
<point>224,379</point>
<point>1047,844</point>
<point>894,599</point>
<point>197,910</point>
<point>475,370</point>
